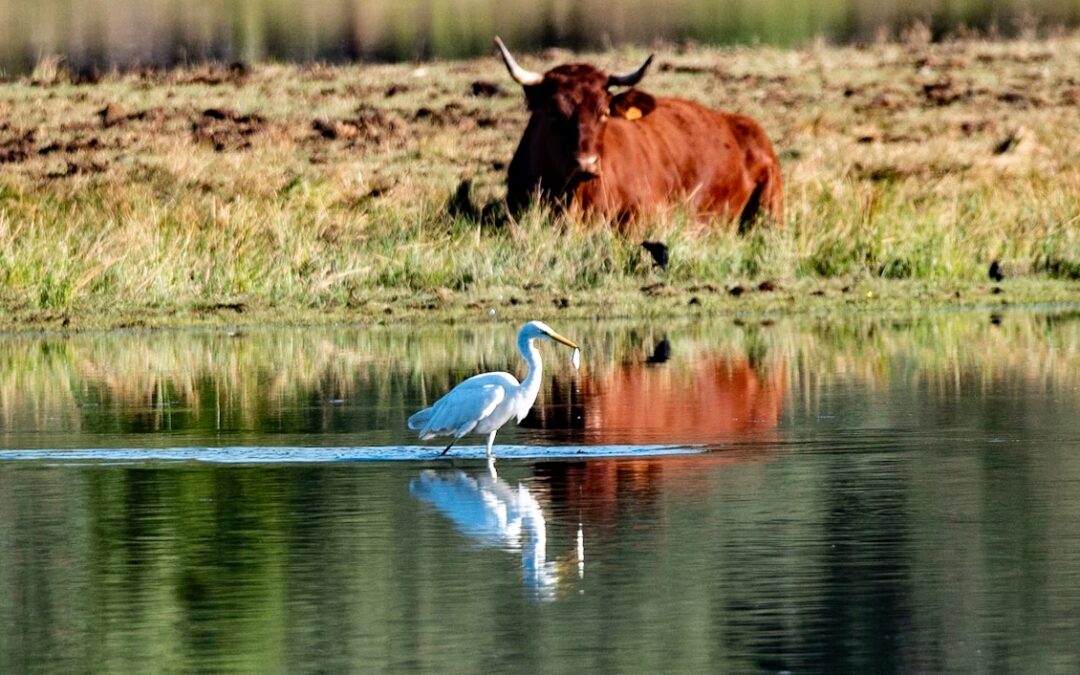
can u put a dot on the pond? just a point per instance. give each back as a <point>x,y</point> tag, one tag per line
<point>826,494</point>
<point>132,33</point>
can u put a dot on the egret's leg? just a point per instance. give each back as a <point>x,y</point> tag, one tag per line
<point>491,442</point>
<point>449,445</point>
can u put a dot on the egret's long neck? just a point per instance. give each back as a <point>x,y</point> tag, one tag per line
<point>530,386</point>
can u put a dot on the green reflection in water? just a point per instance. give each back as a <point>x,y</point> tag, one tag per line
<point>820,563</point>
<point>639,384</point>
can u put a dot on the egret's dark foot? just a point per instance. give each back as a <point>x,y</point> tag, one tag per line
<point>447,448</point>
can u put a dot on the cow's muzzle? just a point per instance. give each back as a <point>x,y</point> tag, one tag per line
<point>588,164</point>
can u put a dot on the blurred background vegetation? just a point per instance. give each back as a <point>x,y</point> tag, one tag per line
<point>104,34</point>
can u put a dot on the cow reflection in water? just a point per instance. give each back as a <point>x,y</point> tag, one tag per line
<point>665,392</point>
<point>487,509</point>
<point>667,395</point>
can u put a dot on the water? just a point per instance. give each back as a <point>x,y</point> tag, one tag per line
<point>92,34</point>
<point>853,494</point>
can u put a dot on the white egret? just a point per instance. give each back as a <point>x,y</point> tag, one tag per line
<point>483,403</point>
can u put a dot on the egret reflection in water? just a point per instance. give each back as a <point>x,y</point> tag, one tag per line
<point>494,514</point>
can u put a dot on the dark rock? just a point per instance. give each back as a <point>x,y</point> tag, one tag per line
<point>1007,144</point>
<point>661,352</point>
<point>112,115</point>
<point>485,89</point>
<point>461,203</point>
<point>659,252</point>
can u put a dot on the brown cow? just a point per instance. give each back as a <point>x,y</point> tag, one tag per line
<point>620,155</point>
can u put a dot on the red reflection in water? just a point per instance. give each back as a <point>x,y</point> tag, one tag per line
<point>706,399</point>
<point>710,399</point>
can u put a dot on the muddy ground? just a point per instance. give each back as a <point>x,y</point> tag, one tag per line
<point>980,93</point>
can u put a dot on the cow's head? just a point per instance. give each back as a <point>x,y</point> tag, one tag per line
<point>574,99</point>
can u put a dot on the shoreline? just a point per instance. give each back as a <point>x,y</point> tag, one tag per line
<point>879,298</point>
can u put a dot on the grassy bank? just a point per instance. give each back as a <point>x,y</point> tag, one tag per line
<point>282,193</point>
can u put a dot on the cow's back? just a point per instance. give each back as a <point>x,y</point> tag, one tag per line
<point>681,153</point>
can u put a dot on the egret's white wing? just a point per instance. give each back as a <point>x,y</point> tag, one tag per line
<point>419,419</point>
<point>466,404</point>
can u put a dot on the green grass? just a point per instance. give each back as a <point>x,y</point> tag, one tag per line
<point>895,191</point>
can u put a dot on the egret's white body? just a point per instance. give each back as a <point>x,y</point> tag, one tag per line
<point>483,403</point>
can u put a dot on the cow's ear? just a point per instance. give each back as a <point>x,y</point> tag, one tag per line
<point>632,104</point>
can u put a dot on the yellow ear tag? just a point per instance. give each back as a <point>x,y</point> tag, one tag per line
<point>632,113</point>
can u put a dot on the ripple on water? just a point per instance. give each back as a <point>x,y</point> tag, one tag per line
<point>270,455</point>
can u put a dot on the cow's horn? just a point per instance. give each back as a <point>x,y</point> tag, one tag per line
<point>629,79</point>
<point>523,77</point>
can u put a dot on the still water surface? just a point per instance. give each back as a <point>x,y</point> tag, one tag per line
<point>823,495</point>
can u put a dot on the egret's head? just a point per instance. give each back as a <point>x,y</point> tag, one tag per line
<point>539,329</point>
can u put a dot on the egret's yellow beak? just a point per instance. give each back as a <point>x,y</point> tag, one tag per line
<point>558,338</point>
